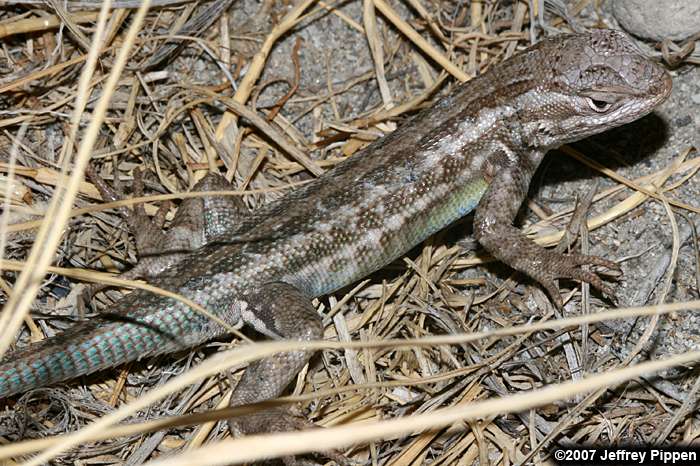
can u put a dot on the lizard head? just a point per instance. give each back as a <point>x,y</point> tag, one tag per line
<point>588,84</point>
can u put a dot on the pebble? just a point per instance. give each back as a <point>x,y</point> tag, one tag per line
<point>658,20</point>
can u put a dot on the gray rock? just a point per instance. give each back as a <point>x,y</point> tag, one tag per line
<point>659,19</point>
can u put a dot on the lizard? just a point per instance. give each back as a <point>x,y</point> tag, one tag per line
<point>474,150</point>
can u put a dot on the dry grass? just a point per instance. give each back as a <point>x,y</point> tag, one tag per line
<point>508,377</point>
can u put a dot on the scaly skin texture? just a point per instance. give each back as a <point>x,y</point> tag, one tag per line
<point>475,149</point>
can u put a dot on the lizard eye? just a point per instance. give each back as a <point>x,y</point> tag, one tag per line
<point>597,105</point>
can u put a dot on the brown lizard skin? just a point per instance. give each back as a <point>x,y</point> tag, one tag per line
<point>475,149</point>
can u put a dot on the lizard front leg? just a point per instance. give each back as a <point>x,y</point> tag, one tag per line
<point>493,228</point>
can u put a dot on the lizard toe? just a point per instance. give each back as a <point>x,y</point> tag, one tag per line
<point>583,259</point>
<point>546,280</point>
<point>574,271</point>
<point>594,280</point>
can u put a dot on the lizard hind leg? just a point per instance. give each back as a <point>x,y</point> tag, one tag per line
<point>197,222</point>
<point>214,215</point>
<point>148,234</point>
<point>280,309</point>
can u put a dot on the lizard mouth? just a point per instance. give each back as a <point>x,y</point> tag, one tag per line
<point>660,82</point>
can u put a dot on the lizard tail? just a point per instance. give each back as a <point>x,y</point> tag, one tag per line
<point>87,348</point>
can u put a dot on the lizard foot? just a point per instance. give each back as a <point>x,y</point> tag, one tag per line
<point>282,419</point>
<point>552,265</point>
<point>148,232</point>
